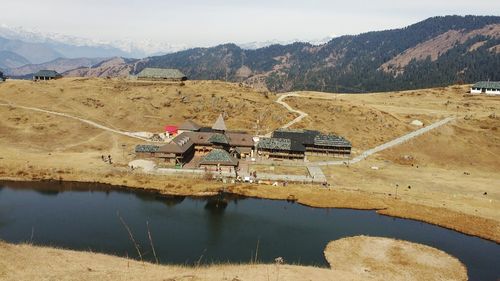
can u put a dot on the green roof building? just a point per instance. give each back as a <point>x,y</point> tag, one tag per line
<point>486,87</point>
<point>44,75</point>
<point>218,157</point>
<point>220,139</point>
<point>161,74</point>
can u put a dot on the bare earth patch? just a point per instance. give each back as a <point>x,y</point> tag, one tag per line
<point>377,258</point>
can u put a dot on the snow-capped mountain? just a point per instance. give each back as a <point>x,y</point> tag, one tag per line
<point>130,48</point>
<point>63,44</point>
<point>261,44</point>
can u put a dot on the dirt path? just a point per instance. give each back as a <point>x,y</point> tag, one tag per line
<point>92,123</point>
<point>366,153</point>
<point>301,114</point>
<point>390,144</point>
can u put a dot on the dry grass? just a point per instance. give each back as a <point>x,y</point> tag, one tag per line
<point>457,171</point>
<point>279,170</point>
<point>25,262</point>
<point>134,106</point>
<point>396,260</point>
<point>377,258</point>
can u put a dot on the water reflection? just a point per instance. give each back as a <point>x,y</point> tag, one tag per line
<point>47,192</point>
<point>172,201</point>
<point>216,206</point>
<point>222,228</point>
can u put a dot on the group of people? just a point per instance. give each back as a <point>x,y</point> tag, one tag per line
<point>107,159</point>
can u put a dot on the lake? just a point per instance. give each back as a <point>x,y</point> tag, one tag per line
<point>228,228</point>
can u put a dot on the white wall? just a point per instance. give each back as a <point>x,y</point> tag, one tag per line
<point>475,91</point>
<point>493,92</point>
<point>488,91</point>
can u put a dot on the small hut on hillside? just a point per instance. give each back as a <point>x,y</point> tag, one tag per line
<point>161,74</point>
<point>44,75</point>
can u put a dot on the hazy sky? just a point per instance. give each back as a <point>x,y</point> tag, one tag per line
<point>208,22</point>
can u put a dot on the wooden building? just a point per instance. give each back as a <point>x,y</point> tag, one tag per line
<point>219,160</point>
<point>146,151</point>
<point>486,87</point>
<point>204,142</point>
<point>44,75</point>
<point>179,151</point>
<point>297,144</point>
<point>241,144</point>
<point>329,145</point>
<point>192,141</point>
<point>161,74</point>
<point>200,141</point>
<point>280,148</point>
<point>189,126</point>
<point>219,141</point>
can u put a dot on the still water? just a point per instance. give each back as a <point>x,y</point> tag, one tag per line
<point>192,230</point>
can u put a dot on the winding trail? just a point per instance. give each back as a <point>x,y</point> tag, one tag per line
<point>366,153</point>
<point>302,114</point>
<point>92,123</point>
<point>280,101</point>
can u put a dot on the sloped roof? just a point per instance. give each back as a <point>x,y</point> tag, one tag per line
<point>162,73</point>
<point>219,156</point>
<point>331,140</point>
<point>240,139</point>
<point>180,144</point>
<point>302,136</point>
<point>487,85</point>
<point>146,148</point>
<point>219,125</point>
<point>198,138</point>
<point>189,125</point>
<point>275,143</point>
<point>219,138</point>
<point>47,73</point>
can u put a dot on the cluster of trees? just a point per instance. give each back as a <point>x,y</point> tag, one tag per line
<point>349,63</point>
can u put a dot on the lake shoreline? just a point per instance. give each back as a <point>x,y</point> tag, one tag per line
<point>315,197</point>
<point>23,262</point>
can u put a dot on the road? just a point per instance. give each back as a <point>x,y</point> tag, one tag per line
<point>89,122</point>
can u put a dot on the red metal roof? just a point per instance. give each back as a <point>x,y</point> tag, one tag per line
<point>171,129</point>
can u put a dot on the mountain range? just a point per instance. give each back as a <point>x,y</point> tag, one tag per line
<point>435,52</point>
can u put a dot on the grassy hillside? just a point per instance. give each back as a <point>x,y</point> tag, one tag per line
<point>436,52</point>
<point>446,176</point>
<point>127,105</point>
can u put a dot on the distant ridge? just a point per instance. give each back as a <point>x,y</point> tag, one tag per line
<point>435,52</point>
<point>10,59</point>
<point>60,65</point>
